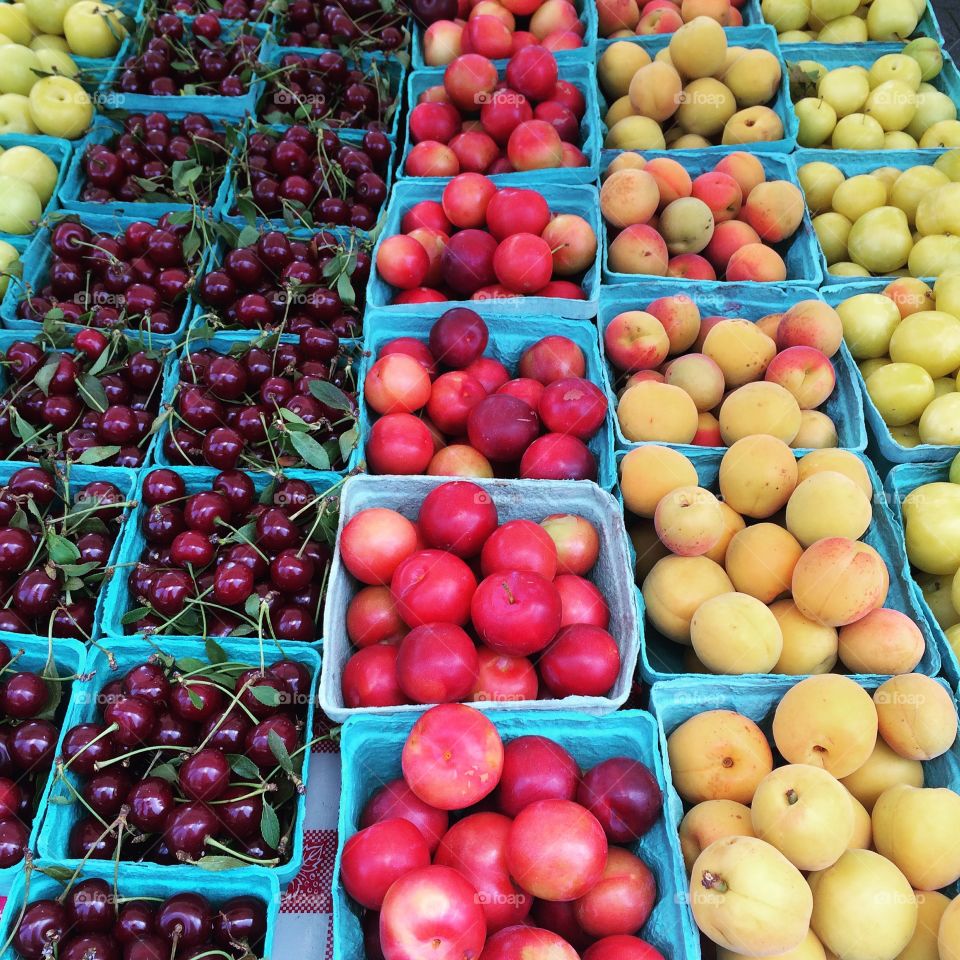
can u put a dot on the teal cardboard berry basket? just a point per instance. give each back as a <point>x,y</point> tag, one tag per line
<point>370,750</point>
<point>191,653</point>
<point>733,301</point>
<point>661,659</point>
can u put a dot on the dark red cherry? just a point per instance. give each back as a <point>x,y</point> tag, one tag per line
<point>14,838</point>
<point>151,802</point>
<point>11,797</point>
<point>86,745</point>
<point>258,740</point>
<point>106,792</point>
<point>147,681</point>
<point>89,946</point>
<point>162,486</point>
<point>33,744</point>
<point>187,829</point>
<point>196,702</point>
<point>240,813</point>
<point>86,839</point>
<point>24,695</point>
<point>42,924</point>
<point>240,920</point>
<point>204,775</point>
<point>238,489</point>
<point>90,906</point>
<point>134,922</point>
<point>135,720</point>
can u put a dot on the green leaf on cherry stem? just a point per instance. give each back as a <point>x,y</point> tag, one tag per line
<point>165,771</point>
<point>251,606</point>
<point>60,549</point>
<point>79,569</point>
<point>268,696</point>
<point>101,362</point>
<point>330,396</point>
<point>243,766</point>
<point>195,700</point>
<point>190,664</point>
<point>345,290</point>
<point>73,583</point>
<point>19,520</point>
<point>247,236</point>
<point>97,454</point>
<point>54,872</point>
<point>270,826</point>
<point>215,653</point>
<point>20,427</point>
<point>132,616</point>
<point>92,393</point>
<point>310,451</point>
<point>279,750</point>
<point>45,374</point>
<point>295,424</point>
<point>348,442</point>
<point>51,680</point>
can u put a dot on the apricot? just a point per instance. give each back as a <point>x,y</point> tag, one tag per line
<point>760,561</point>
<point>827,721</point>
<point>620,109</point>
<point>825,505</point>
<point>757,263</point>
<point>805,813</point>
<point>917,716</point>
<point>672,179</point>
<point>635,133</point>
<point>885,642</point>
<point>948,936</point>
<point>838,461</point>
<point>805,372</point>
<point>649,473</point>
<point>774,209</point>
<point>753,125</point>
<point>931,907</point>
<point>811,323</point>
<point>757,476</point>
<point>748,898</point>
<point>808,647</point>
<point>839,580</point>
<point>699,48</point>
<point>635,340</point>
<point>639,249</point>
<point>686,225</point>
<point>883,769</point>
<point>655,91</point>
<point>753,77</point>
<point>700,377</point>
<point>709,821</point>
<point>718,755</point>
<point>862,838</point>
<point>741,350</point>
<point>863,907</point>
<point>657,411</point>
<point>735,634</point>
<point>617,66</point>
<point>708,431</point>
<point>745,168</point>
<point>819,180</point>
<point>733,523</point>
<point>764,408</point>
<point>628,160</point>
<point>918,829</point>
<point>817,431</point>
<point>689,521</point>
<point>628,197</point>
<point>809,949</point>
<point>931,515</point>
<point>678,316</point>
<point>675,588</point>
<point>705,107</point>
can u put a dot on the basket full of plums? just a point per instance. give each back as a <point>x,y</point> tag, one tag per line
<point>307,178</point>
<point>184,751</point>
<point>36,681</point>
<point>494,400</point>
<point>226,554</point>
<point>145,162</point>
<point>90,397</point>
<point>197,59</point>
<point>523,119</point>
<point>268,403</point>
<point>138,913</point>
<point>325,88</point>
<point>359,25</point>
<point>59,539</point>
<point>508,249</point>
<point>506,837</point>
<point>287,282</point>
<point>481,591</point>
<point>109,272</point>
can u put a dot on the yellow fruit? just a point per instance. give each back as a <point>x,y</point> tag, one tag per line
<point>649,473</point>
<point>884,769</point>
<point>808,647</point>
<point>735,634</point>
<point>916,716</point>
<point>675,588</point>
<point>827,505</point>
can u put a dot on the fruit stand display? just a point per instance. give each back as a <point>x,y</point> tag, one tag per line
<point>479,480</point>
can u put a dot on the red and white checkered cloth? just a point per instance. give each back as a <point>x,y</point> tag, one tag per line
<point>306,909</point>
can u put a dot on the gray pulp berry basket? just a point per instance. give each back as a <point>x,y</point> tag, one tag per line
<point>514,499</point>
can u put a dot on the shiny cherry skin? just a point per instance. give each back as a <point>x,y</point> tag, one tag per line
<point>24,695</point>
<point>240,920</point>
<point>86,745</point>
<point>43,923</point>
<point>14,837</point>
<point>188,827</point>
<point>258,740</point>
<point>135,720</point>
<point>106,791</point>
<point>90,906</point>
<point>204,775</point>
<point>183,705</point>
<point>151,802</point>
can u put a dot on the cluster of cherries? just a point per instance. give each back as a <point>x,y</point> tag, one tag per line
<point>420,597</point>
<point>535,861</point>
<point>331,24</point>
<point>28,739</point>
<point>482,419</point>
<point>146,149</point>
<point>154,769</point>
<point>138,277</point>
<point>54,554</point>
<point>91,920</point>
<point>181,58</point>
<point>229,10</point>
<point>481,242</point>
<point>256,406</point>
<point>326,88</point>
<point>213,556</point>
<point>288,283</point>
<point>55,406</point>
<point>309,177</point>
<point>528,121</point>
